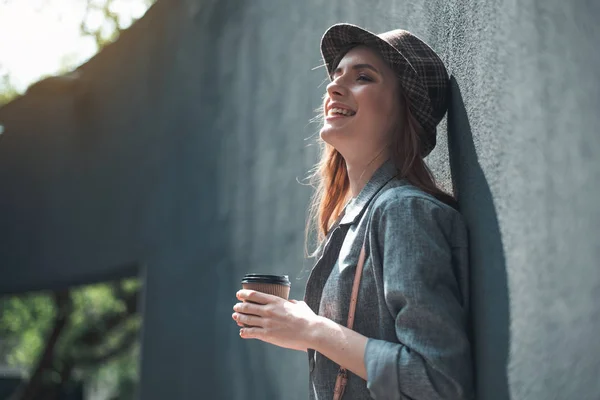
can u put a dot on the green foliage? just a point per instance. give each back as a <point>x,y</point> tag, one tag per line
<point>24,320</point>
<point>7,90</point>
<point>106,32</point>
<point>113,23</point>
<point>100,339</point>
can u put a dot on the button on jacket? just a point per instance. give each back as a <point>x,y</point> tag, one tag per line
<point>413,299</point>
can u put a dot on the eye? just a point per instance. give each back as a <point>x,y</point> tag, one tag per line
<point>363,77</point>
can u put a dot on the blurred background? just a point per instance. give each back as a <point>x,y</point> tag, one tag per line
<point>152,153</point>
<point>80,342</point>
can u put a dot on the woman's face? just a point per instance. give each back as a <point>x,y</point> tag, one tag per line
<point>362,106</point>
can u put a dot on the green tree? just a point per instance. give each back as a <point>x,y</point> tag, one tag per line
<point>84,334</point>
<point>7,90</point>
<point>88,333</point>
<point>113,22</point>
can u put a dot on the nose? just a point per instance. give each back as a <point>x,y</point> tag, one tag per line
<point>335,89</point>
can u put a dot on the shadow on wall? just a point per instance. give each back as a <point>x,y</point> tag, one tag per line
<point>489,290</point>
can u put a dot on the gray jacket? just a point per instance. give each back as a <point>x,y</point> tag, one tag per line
<point>413,300</point>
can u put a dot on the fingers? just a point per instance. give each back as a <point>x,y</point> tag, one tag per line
<point>249,314</point>
<point>251,333</point>
<point>257,297</point>
<point>245,319</point>
<point>251,308</point>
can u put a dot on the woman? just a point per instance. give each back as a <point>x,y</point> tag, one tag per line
<point>379,212</point>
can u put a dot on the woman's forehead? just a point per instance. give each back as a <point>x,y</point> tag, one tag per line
<point>361,54</point>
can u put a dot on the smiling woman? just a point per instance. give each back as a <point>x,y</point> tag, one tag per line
<point>367,89</point>
<point>386,305</point>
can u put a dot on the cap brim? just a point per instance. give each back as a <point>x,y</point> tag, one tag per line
<point>340,38</point>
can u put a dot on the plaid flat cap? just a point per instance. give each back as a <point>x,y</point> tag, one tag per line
<point>422,73</point>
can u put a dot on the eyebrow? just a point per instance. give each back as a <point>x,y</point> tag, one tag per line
<point>357,67</point>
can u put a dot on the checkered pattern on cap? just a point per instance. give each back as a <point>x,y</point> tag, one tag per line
<point>422,73</point>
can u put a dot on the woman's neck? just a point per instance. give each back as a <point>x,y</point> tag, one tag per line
<point>359,173</point>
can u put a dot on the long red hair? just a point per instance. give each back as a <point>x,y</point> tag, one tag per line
<point>332,186</point>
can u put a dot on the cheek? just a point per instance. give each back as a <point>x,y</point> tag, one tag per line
<point>390,112</point>
<point>384,122</point>
<point>380,114</point>
<point>324,103</point>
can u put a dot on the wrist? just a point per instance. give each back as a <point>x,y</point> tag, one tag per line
<point>319,331</point>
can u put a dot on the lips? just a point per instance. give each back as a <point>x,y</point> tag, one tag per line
<point>339,110</point>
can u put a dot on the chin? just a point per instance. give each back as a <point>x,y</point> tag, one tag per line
<point>333,136</point>
<point>337,139</point>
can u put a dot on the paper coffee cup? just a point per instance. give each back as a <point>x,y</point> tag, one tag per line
<point>277,285</point>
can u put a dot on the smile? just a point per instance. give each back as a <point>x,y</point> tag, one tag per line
<point>340,112</point>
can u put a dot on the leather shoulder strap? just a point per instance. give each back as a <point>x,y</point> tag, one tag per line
<point>355,286</point>
<point>342,377</point>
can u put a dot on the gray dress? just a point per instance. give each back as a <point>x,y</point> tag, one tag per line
<point>413,299</point>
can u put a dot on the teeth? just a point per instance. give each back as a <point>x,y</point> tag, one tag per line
<point>341,111</point>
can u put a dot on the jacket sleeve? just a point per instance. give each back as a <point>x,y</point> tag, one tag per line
<point>414,260</point>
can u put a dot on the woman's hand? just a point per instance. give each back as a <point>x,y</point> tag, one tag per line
<point>274,320</point>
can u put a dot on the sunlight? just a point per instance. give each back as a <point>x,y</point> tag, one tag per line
<point>42,37</point>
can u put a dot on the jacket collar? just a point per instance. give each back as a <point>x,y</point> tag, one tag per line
<point>385,173</point>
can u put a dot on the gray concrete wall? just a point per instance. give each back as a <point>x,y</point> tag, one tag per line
<point>524,149</point>
<point>206,105</point>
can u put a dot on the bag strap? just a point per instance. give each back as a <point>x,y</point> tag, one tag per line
<point>342,376</point>
<point>355,286</point>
